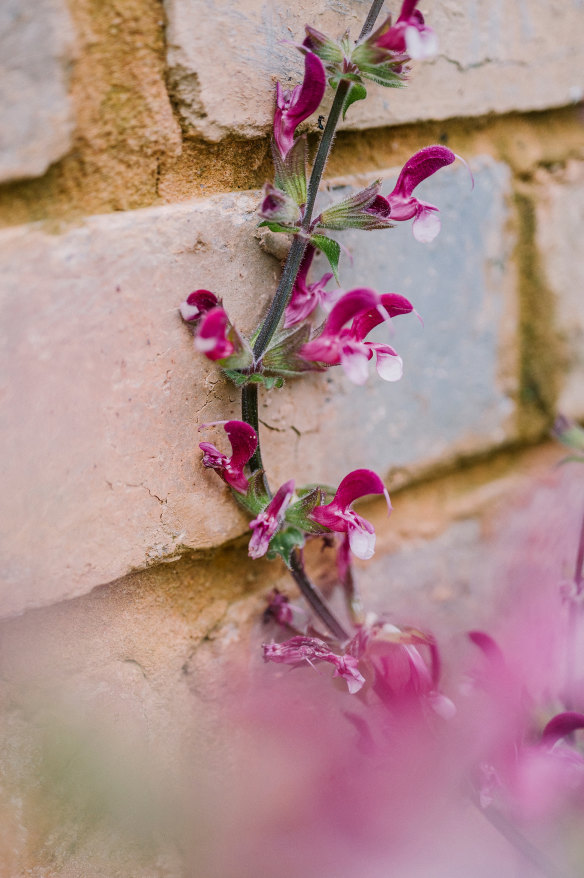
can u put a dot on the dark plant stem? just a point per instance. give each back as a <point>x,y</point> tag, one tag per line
<point>299,242</point>
<point>249,414</point>
<point>281,296</point>
<point>249,394</point>
<point>371,18</point>
<point>311,594</point>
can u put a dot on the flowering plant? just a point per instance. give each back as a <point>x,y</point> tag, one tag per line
<point>311,328</point>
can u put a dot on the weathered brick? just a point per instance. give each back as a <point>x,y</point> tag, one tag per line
<point>493,58</point>
<point>36,50</point>
<point>560,219</point>
<point>103,391</point>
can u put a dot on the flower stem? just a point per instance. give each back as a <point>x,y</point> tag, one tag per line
<point>299,243</point>
<point>249,394</point>
<point>311,594</point>
<point>249,414</point>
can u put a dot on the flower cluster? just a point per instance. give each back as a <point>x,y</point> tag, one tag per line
<point>521,766</point>
<point>525,766</point>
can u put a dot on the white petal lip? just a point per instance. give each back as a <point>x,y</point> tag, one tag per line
<point>205,344</point>
<point>421,44</point>
<point>426,226</point>
<point>355,366</point>
<point>361,542</point>
<point>389,368</point>
<point>189,312</point>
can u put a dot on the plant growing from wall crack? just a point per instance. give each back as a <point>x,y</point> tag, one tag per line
<point>310,326</point>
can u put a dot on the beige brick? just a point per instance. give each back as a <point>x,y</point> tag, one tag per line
<point>560,218</point>
<point>36,51</point>
<point>494,57</point>
<point>103,392</point>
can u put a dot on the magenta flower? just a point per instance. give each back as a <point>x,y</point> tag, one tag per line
<point>243,440</point>
<point>338,515</point>
<point>347,346</point>
<point>295,105</point>
<point>269,521</point>
<point>197,304</point>
<point>286,614</point>
<point>278,207</point>
<point>541,778</point>
<point>409,35</point>
<point>306,297</point>
<point>401,671</point>
<point>213,338</point>
<point>402,203</point>
<point>301,649</point>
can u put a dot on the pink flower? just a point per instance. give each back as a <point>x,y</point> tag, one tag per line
<point>295,105</point>
<point>409,35</point>
<point>269,521</point>
<point>278,206</point>
<point>302,649</point>
<point>338,515</point>
<point>346,346</point>
<point>286,614</point>
<point>243,440</point>
<point>213,339</point>
<point>197,304</point>
<point>402,203</point>
<point>306,297</point>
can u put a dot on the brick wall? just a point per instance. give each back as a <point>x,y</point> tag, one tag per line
<point>134,142</point>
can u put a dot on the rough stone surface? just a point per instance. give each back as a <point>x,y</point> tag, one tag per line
<point>560,214</point>
<point>36,50</point>
<point>103,391</point>
<point>495,57</point>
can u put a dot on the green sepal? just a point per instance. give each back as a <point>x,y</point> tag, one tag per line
<point>357,92</point>
<point>382,75</point>
<point>327,50</point>
<point>298,514</point>
<point>284,543</point>
<point>240,379</point>
<point>256,499</point>
<point>281,357</point>
<point>290,172</point>
<point>572,458</point>
<point>331,249</point>
<point>327,491</point>
<point>278,227</point>
<point>336,77</point>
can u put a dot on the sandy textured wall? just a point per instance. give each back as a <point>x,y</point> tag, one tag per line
<point>133,143</point>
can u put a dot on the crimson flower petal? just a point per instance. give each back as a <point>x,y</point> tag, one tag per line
<point>419,167</point>
<point>562,725</point>
<point>244,442</point>
<point>197,304</point>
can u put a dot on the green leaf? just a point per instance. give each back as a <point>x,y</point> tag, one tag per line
<point>256,499</point>
<point>281,356</point>
<point>331,250</point>
<point>240,379</point>
<point>284,543</point>
<point>357,92</point>
<point>277,227</point>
